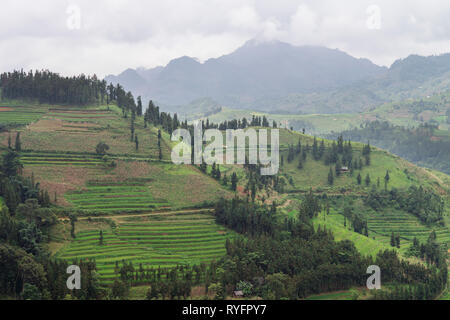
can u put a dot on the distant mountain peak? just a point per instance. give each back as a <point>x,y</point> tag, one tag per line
<point>251,76</point>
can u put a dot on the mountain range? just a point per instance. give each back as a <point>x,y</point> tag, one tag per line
<point>279,77</point>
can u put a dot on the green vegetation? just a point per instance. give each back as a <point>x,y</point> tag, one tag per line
<point>164,240</point>
<point>93,182</point>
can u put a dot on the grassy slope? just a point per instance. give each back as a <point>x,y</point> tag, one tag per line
<point>59,149</point>
<point>403,175</point>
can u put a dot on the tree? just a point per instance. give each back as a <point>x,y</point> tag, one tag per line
<point>234,181</point>
<point>132,129</point>
<point>330,177</point>
<point>18,144</point>
<point>73,218</point>
<point>119,290</point>
<point>367,180</point>
<point>28,210</point>
<point>300,164</point>
<point>101,148</point>
<point>393,242</point>
<point>338,168</point>
<point>225,180</point>
<point>31,292</point>
<point>359,179</point>
<point>136,141</point>
<point>11,164</point>
<point>139,106</point>
<point>101,238</point>
<point>386,180</point>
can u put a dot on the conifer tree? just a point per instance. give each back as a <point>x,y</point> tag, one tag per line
<point>330,177</point>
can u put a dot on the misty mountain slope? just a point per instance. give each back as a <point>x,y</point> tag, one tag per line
<point>279,77</point>
<point>253,73</point>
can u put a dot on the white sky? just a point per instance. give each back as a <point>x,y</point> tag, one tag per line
<point>116,34</point>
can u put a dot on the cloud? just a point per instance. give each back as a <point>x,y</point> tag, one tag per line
<point>116,34</point>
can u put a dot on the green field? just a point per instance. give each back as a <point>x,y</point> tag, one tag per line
<point>335,223</point>
<point>15,113</point>
<point>164,240</point>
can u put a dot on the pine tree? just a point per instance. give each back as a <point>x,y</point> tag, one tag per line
<point>101,238</point>
<point>225,180</point>
<point>234,181</point>
<point>359,178</point>
<point>139,106</point>
<point>18,145</point>
<point>330,177</point>
<point>136,140</point>
<point>132,130</point>
<point>300,164</point>
<point>386,180</point>
<point>367,180</point>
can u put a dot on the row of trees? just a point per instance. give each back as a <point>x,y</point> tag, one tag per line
<point>49,87</point>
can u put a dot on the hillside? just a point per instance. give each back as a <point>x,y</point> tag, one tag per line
<point>134,209</point>
<point>346,192</point>
<point>59,151</point>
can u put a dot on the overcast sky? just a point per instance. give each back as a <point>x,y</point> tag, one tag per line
<point>108,36</point>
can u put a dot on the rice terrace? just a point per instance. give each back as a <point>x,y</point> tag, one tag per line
<point>223,151</point>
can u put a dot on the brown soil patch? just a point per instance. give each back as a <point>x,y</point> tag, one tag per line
<point>60,180</point>
<point>49,125</point>
<point>6,109</point>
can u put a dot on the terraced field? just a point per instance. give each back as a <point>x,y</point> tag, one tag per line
<point>110,197</point>
<point>18,117</point>
<point>59,159</point>
<point>164,240</point>
<point>404,224</point>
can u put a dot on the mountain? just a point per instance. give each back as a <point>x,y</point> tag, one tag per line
<point>278,77</point>
<point>254,73</point>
